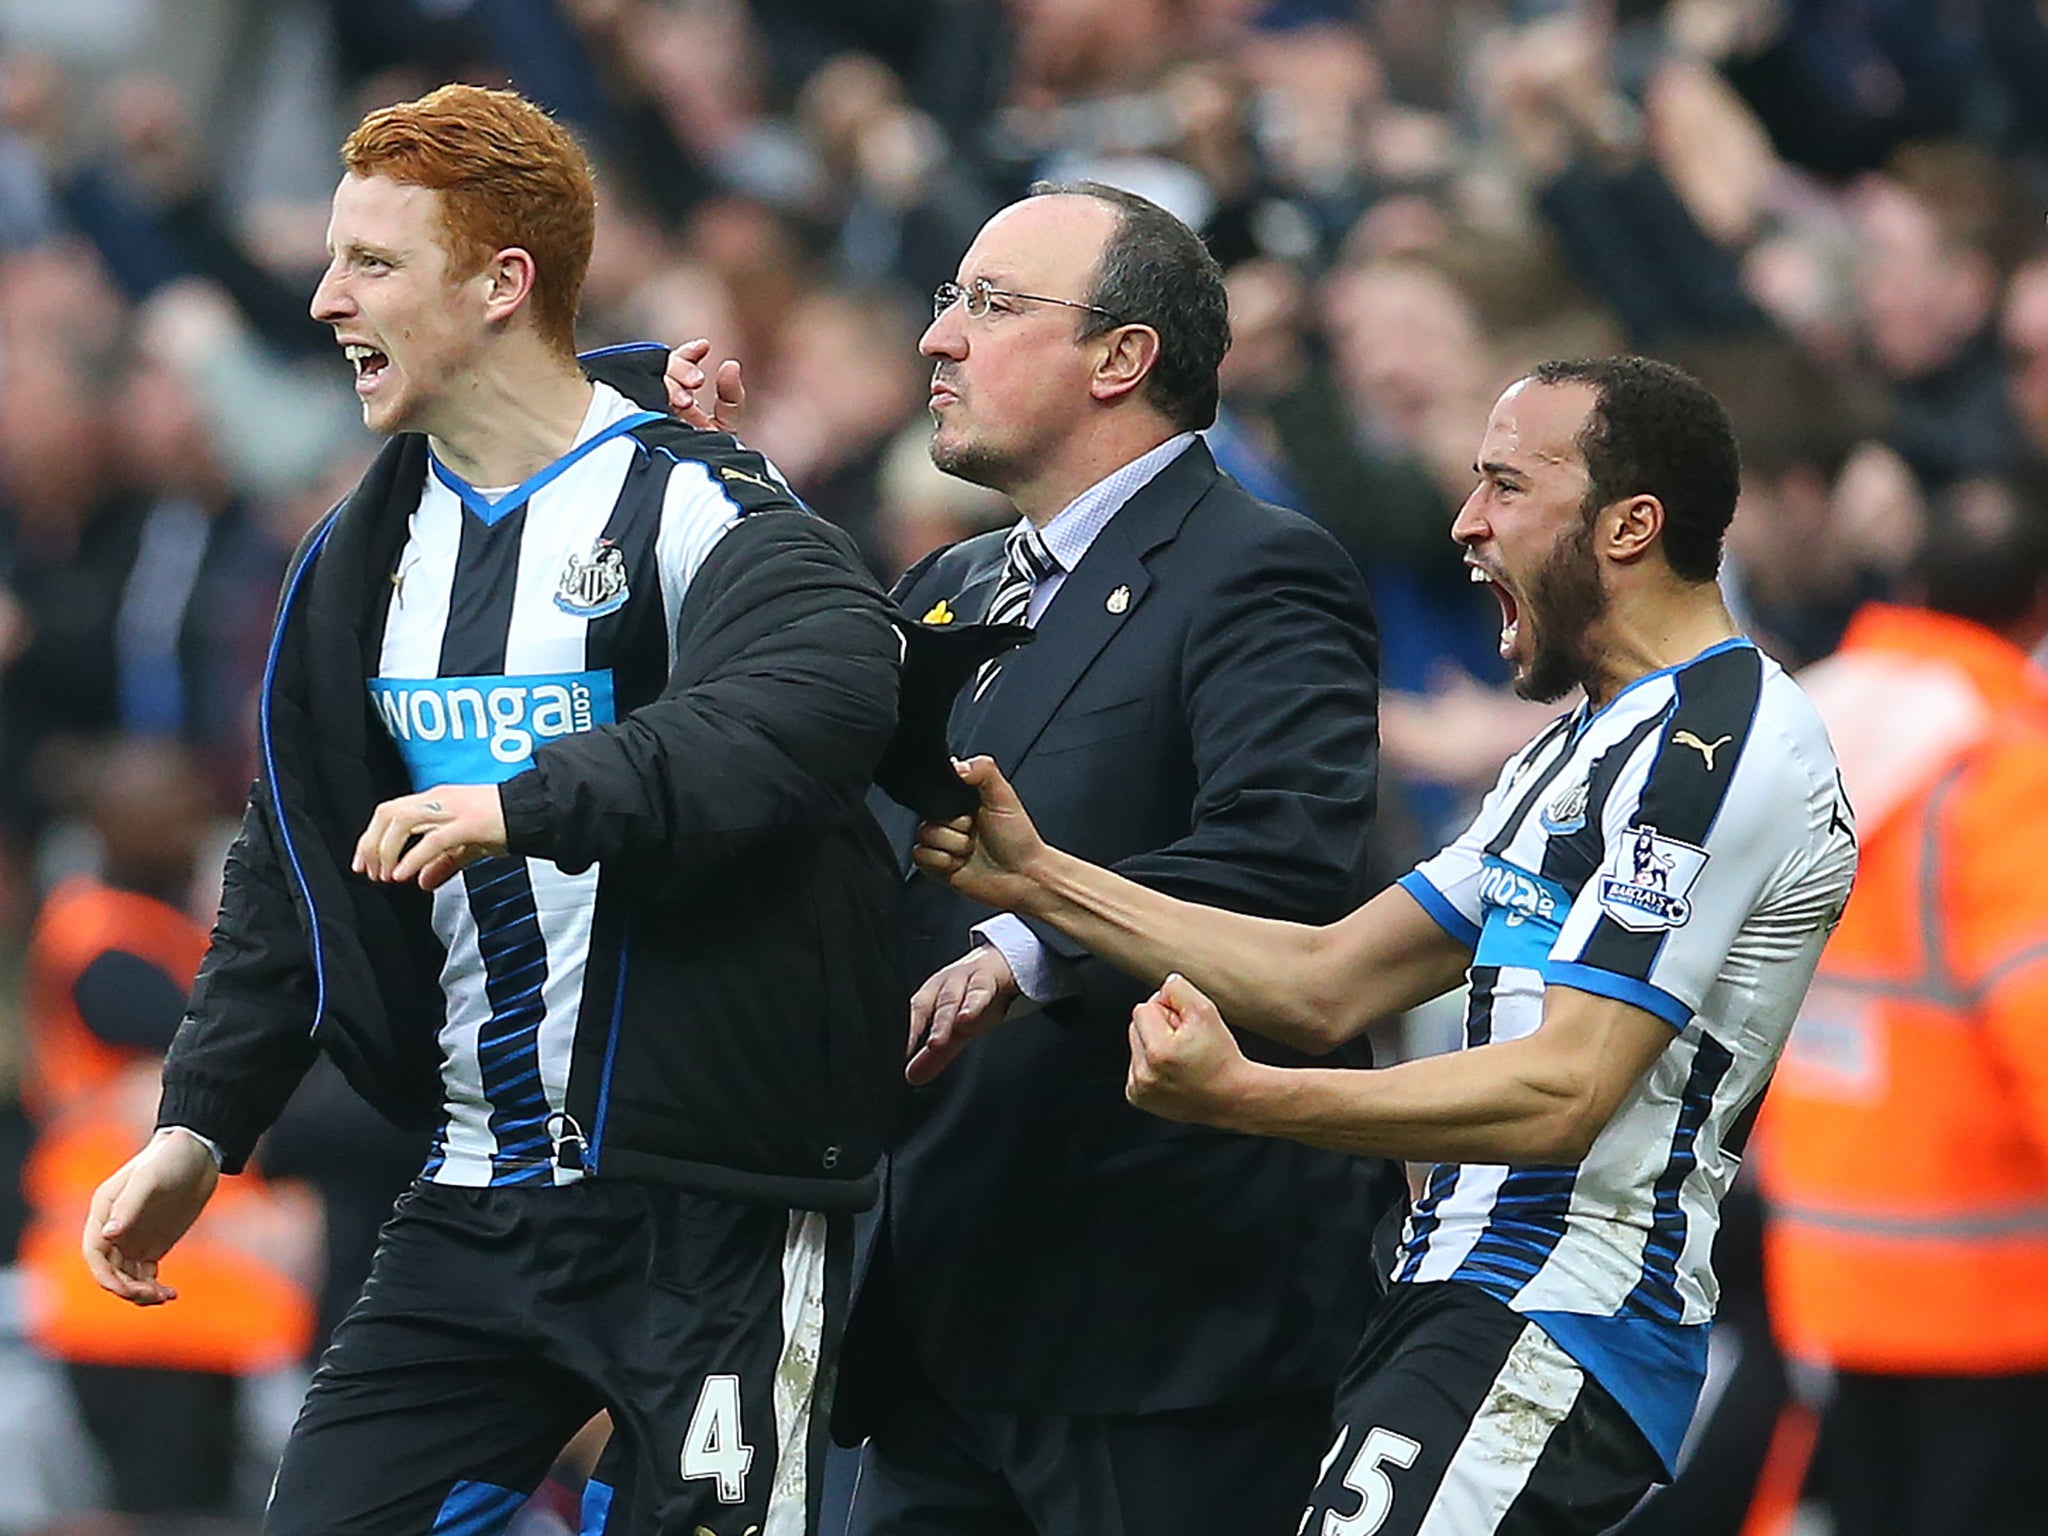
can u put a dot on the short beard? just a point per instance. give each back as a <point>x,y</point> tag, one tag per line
<point>971,462</point>
<point>1565,600</point>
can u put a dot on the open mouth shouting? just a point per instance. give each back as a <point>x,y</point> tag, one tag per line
<point>369,364</point>
<point>1510,606</point>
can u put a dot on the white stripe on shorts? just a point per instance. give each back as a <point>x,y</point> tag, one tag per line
<point>796,1373</point>
<point>1536,1388</point>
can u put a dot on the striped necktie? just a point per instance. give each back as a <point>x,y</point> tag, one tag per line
<point>1026,562</point>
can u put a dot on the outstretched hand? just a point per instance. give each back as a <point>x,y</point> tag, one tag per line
<point>992,857</point>
<point>684,377</point>
<point>1185,1063</point>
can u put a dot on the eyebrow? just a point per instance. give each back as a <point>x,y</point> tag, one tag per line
<point>364,248</point>
<point>1495,470</point>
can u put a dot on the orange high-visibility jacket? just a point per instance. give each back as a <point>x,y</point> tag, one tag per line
<point>1904,1142</point>
<point>239,1307</point>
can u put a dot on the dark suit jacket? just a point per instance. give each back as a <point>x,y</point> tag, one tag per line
<point>1197,711</point>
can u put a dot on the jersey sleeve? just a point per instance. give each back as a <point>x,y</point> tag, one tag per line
<point>1699,823</point>
<point>1447,883</point>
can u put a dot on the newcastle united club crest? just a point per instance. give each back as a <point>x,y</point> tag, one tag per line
<point>593,585</point>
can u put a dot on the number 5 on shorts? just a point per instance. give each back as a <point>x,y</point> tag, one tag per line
<point>712,1446</point>
<point>1372,1485</point>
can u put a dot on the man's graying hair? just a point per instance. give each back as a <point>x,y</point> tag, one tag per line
<point>1155,271</point>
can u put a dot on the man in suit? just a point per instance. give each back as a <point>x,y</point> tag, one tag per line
<point>1076,1318</point>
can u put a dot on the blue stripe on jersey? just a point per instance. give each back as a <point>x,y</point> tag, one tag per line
<point>491,512</point>
<point>437,1151</point>
<point>1527,1219</point>
<point>1443,1178</point>
<point>515,958</point>
<point>1625,989</point>
<point>477,1509</point>
<point>1446,916</point>
<point>1423,1220</point>
<point>1523,1229</point>
<point>1656,1291</point>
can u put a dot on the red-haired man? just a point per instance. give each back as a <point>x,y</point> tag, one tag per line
<point>559,846</point>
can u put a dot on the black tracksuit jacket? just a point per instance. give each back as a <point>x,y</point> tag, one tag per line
<point>742,1025</point>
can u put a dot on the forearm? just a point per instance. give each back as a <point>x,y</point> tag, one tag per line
<point>1262,973</point>
<point>1541,1099</point>
<point>1494,1104</point>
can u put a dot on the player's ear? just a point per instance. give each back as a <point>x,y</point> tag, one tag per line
<point>508,279</point>
<point>1631,527</point>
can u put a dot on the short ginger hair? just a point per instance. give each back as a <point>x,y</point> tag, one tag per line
<point>508,175</point>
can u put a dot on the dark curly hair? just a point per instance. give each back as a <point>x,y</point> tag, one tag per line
<point>1654,430</point>
<point>1155,271</point>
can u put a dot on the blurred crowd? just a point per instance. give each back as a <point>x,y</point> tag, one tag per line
<point>1830,212</point>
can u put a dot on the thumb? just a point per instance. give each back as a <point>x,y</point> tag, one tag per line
<point>996,791</point>
<point>1179,996</point>
<point>1150,1024</point>
<point>122,1212</point>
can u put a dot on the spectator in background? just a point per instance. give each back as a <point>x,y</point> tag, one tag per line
<point>2023,334</point>
<point>109,967</point>
<point>1904,1147</point>
<point>188,642</point>
<point>1800,554</point>
<point>896,194</point>
<point>70,525</point>
<point>1930,258</point>
<point>1841,88</point>
<point>828,433</point>
<point>1414,368</point>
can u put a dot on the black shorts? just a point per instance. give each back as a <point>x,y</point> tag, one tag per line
<point>496,1322</point>
<point>1459,1417</point>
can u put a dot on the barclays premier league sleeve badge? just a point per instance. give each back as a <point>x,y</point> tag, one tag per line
<point>1644,883</point>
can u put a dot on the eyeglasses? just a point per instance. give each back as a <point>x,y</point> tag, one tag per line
<point>977,297</point>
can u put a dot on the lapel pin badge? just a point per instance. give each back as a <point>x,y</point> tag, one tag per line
<point>939,613</point>
<point>1118,600</point>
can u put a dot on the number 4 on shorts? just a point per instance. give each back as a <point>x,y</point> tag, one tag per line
<point>1368,1479</point>
<point>712,1445</point>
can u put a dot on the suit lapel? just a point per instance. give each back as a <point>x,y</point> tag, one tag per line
<point>980,591</point>
<point>1082,618</point>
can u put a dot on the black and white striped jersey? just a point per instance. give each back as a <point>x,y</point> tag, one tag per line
<point>516,617</point>
<point>1687,848</point>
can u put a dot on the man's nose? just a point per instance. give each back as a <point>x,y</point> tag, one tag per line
<point>944,337</point>
<point>329,300</point>
<point>1469,526</point>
